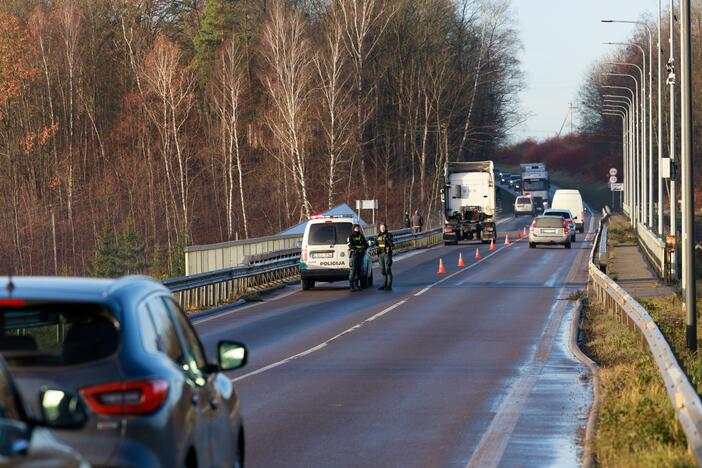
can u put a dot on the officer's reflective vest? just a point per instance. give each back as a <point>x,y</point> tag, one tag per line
<point>384,242</point>
<point>358,243</point>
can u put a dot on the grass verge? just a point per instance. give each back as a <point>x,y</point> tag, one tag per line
<point>636,425</point>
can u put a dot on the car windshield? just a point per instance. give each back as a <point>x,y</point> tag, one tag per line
<point>548,222</point>
<point>329,233</point>
<point>538,184</point>
<point>57,334</point>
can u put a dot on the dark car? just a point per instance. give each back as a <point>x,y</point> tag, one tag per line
<point>25,441</point>
<point>148,393</point>
<point>515,182</point>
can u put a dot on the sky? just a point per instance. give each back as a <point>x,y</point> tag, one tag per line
<point>561,40</point>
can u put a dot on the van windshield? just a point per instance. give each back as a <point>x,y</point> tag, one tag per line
<point>329,233</point>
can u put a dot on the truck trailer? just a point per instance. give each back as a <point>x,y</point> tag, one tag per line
<point>469,202</point>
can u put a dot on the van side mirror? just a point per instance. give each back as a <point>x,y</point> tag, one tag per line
<point>232,355</point>
<point>61,409</point>
<point>298,244</point>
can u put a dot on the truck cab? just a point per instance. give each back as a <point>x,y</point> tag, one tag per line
<point>469,202</point>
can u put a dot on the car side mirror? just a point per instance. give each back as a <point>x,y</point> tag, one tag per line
<point>232,355</point>
<point>61,409</point>
<point>298,244</point>
<point>14,438</point>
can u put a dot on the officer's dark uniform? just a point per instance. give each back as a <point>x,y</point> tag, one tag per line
<point>385,244</point>
<point>357,250</point>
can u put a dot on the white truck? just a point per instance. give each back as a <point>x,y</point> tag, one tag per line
<point>469,202</point>
<point>535,183</point>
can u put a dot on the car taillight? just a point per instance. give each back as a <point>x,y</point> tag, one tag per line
<point>303,255</point>
<point>566,229</point>
<point>12,303</point>
<point>125,398</point>
<point>448,229</point>
<point>533,225</point>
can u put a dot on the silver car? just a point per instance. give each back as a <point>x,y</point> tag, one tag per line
<point>565,214</point>
<point>549,230</point>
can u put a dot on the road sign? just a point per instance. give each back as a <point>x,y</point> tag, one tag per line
<point>613,171</point>
<point>613,179</point>
<point>617,187</point>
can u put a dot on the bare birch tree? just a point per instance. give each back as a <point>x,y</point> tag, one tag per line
<point>336,118</point>
<point>364,23</point>
<point>227,102</point>
<point>171,87</point>
<point>286,50</point>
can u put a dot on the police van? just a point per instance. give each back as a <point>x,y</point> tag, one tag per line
<point>325,254</point>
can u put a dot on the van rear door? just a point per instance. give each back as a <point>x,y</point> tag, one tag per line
<point>327,245</point>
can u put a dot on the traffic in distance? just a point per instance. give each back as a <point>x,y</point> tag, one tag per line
<point>112,373</point>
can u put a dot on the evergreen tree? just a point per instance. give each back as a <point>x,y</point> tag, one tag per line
<point>219,20</point>
<point>132,251</point>
<point>107,262</point>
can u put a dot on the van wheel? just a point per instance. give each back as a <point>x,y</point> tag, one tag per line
<point>532,245</point>
<point>307,284</point>
<point>370,280</point>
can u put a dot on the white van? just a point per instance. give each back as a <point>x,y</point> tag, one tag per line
<point>325,253</point>
<point>571,200</point>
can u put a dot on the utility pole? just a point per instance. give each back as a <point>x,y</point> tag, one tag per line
<point>688,207</point>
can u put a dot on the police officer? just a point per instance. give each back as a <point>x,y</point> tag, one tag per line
<point>358,244</point>
<point>385,245</point>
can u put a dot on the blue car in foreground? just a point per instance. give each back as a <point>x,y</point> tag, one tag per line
<point>120,363</point>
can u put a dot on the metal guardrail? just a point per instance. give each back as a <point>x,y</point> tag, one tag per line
<point>682,394</point>
<point>602,254</point>
<point>653,247</point>
<point>267,270</point>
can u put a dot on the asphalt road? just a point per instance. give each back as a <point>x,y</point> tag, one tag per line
<point>467,368</point>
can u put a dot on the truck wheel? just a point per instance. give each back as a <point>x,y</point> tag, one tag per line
<point>307,284</point>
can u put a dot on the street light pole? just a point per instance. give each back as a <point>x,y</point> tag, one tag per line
<point>639,174</point>
<point>622,115</point>
<point>688,198</point>
<point>633,140</point>
<point>660,127</point>
<point>618,99</point>
<point>649,183</point>
<point>673,171</point>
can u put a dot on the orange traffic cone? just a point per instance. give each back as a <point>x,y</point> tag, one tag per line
<point>461,263</point>
<point>506,239</point>
<point>492,245</point>
<point>519,234</point>
<point>442,270</point>
<point>477,254</point>
<point>524,234</point>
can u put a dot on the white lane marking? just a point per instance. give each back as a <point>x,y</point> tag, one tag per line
<point>492,445</point>
<point>445,278</point>
<point>319,346</point>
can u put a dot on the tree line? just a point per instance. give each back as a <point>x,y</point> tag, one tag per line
<point>130,129</point>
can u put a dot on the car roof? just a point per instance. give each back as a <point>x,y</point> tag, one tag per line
<point>59,288</point>
<point>568,191</point>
